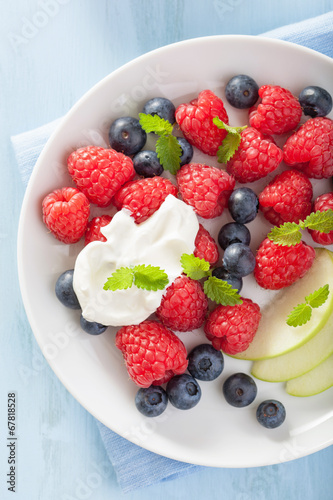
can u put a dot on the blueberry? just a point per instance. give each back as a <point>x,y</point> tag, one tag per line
<point>147,164</point>
<point>233,279</point>
<point>238,259</point>
<point>151,401</point>
<point>187,151</point>
<point>243,205</point>
<point>92,327</point>
<point>315,101</point>
<point>127,136</point>
<point>205,362</point>
<point>271,413</point>
<point>162,107</point>
<point>242,92</point>
<point>239,390</point>
<point>64,290</point>
<point>183,391</point>
<point>233,232</point>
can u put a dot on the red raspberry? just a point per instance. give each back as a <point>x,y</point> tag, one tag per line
<point>93,231</point>
<point>232,328</point>
<point>287,198</point>
<point>196,122</point>
<point>66,213</point>
<point>279,266</point>
<point>143,197</point>
<point>205,246</point>
<point>322,203</point>
<point>184,305</point>
<point>152,353</point>
<point>206,189</point>
<point>99,172</point>
<point>256,156</point>
<point>310,149</point>
<point>278,112</point>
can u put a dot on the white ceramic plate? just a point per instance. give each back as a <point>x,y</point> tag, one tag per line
<point>91,368</point>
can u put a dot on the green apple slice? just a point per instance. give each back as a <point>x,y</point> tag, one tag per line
<point>313,382</point>
<point>299,361</point>
<point>274,337</point>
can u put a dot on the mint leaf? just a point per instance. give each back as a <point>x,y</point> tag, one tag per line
<point>194,267</point>
<point>231,130</point>
<point>229,146</point>
<point>319,221</point>
<point>287,234</point>
<point>121,279</point>
<point>169,152</point>
<point>221,292</point>
<point>153,123</point>
<point>150,278</point>
<point>300,315</point>
<point>319,297</point>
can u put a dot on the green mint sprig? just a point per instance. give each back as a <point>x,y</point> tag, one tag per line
<point>168,148</point>
<point>302,313</point>
<point>289,233</point>
<point>230,143</point>
<point>150,278</point>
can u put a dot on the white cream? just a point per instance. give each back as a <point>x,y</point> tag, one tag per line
<point>159,241</point>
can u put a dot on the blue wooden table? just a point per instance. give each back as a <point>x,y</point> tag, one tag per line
<point>51,52</point>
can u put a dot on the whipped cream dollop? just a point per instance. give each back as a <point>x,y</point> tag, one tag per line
<point>159,241</point>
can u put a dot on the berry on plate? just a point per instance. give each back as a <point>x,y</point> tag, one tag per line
<point>195,120</point>
<point>232,328</point>
<point>187,151</point>
<point>146,164</point>
<point>278,113</point>
<point>99,172</point>
<point>310,149</point>
<point>152,353</point>
<point>206,189</point>
<point>322,203</point>
<point>315,101</point>
<point>240,390</point>
<point>205,246</point>
<point>93,231</point>
<point>183,306</point>
<point>239,259</point>
<point>271,413</point>
<point>243,205</point>
<point>126,135</point>
<point>151,401</point>
<point>242,91</point>
<point>143,197</point>
<point>64,290</point>
<point>92,327</point>
<point>183,392</point>
<point>66,212</point>
<point>205,362</point>
<point>233,280</point>
<point>287,198</point>
<point>233,232</point>
<point>162,107</point>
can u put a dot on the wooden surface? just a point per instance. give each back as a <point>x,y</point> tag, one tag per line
<point>51,52</point>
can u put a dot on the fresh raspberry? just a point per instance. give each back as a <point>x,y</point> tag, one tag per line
<point>322,203</point>
<point>232,328</point>
<point>205,246</point>
<point>278,112</point>
<point>152,353</point>
<point>256,156</point>
<point>143,197</point>
<point>279,266</point>
<point>99,172</point>
<point>206,189</point>
<point>183,306</point>
<point>196,122</point>
<point>93,231</point>
<point>310,149</point>
<point>66,213</point>
<point>287,198</point>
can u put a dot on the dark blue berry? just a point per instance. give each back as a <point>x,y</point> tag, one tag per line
<point>183,391</point>
<point>242,92</point>
<point>233,232</point>
<point>315,101</point>
<point>151,401</point>
<point>64,290</point>
<point>239,390</point>
<point>187,151</point>
<point>271,414</point>
<point>147,164</point>
<point>205,362</point>
<point>243,205</point>
<point>233,279</point>
<point>238,259</point>
<point>162,107</point>
<point>127,136</point>
<point>92,327</point>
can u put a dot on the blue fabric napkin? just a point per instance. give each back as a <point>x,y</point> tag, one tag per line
<point>136,467</point>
